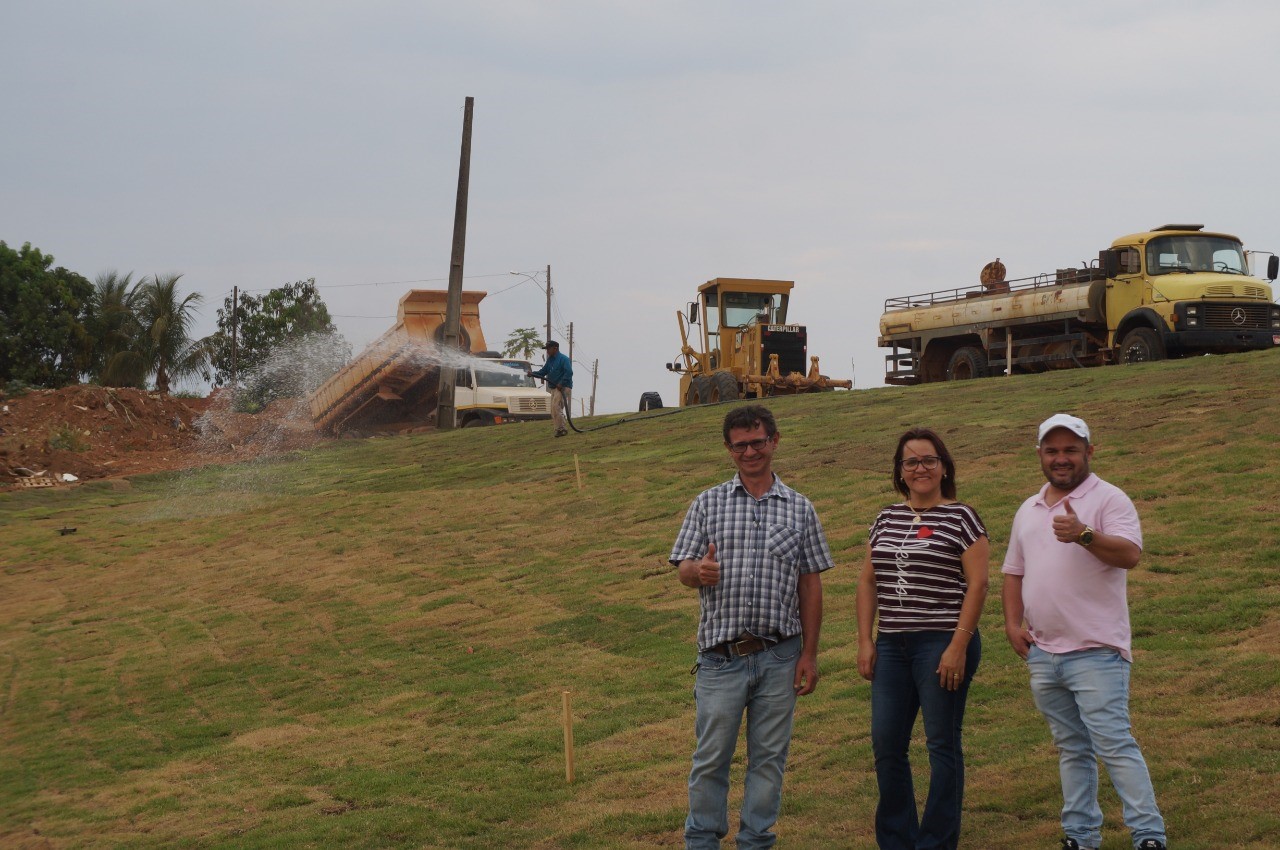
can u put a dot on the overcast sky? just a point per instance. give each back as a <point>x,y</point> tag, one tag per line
<point>639,149</point>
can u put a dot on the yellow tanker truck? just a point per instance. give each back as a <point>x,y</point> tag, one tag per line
<point>1168,292</point>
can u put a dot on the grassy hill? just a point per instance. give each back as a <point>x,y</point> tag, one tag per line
<point>366,645</point>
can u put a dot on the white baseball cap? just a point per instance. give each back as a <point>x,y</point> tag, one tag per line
<point>1063,420</point>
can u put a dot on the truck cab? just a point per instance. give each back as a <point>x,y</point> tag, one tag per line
<point>1177,290</point>
<point>495,390</point>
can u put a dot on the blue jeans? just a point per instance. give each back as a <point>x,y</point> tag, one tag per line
<point>762,685</point>
<point>1085,697</point>
<point>906,684</point>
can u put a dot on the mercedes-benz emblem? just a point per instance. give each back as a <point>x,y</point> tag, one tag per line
<point>1238,316</point>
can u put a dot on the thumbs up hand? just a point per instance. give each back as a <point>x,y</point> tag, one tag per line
<point>709,567</point>
<point>1067,526</point>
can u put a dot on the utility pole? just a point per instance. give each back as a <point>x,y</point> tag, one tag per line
<point>235,325</point>
<point>446,411</point>
<point>548,338</point>
<point>595,373</point>
<point>571,342</point>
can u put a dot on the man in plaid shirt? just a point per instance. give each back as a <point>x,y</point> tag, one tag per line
<point>755,550</point>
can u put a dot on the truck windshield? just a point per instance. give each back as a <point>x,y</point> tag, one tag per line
<point>504,373</point>
<point>740,308</point>
<point>1193,253</point>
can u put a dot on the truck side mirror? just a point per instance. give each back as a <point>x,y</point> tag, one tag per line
<point>693,313</point>
<point>1109,262</point>
<point>1273,267</point>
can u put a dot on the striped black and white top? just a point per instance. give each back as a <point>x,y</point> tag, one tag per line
<point>919,579</point>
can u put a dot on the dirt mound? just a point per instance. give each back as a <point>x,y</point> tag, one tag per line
<point>100,432</point>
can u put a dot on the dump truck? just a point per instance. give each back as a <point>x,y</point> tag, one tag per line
<point>745,347</point>
<point>394,383</point>
<point>1171,291</point>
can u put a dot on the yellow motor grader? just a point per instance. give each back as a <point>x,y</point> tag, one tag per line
<point>735,343</point>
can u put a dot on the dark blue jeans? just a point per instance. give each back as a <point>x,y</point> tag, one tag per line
<point>906,684</point>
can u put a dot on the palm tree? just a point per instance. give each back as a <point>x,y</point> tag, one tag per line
<point>114,330</point>
<point>522,341</point>
<point>166,330</point>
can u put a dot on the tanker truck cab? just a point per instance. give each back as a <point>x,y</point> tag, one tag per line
<point>1178,290</point>
<point>495,390</point>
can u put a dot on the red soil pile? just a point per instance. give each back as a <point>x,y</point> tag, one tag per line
<point>103,432</point>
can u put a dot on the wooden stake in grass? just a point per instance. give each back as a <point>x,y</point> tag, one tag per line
<point>578,469</point>
<point>568,739</point>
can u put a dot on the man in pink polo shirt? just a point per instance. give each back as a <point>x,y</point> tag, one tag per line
<point>1066,613</point>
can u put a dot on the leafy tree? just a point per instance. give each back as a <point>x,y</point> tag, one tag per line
<point>43,341</point>
<point>113,324</point>
<point>286,344</point>
<point>522,343</point>
<point>166,319</point>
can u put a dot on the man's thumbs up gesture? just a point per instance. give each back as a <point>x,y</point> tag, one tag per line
<point>709,567</point>
<point>701,572</point>
<point>1067,526</point>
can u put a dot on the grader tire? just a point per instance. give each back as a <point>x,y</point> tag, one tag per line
<point>724,387</point>
<point>650,401</point>
<point>699,390</point>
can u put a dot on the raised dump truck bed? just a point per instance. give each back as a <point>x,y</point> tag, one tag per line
<point>396,377</point>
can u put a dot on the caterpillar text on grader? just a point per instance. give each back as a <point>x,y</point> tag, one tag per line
<point>743,346</point>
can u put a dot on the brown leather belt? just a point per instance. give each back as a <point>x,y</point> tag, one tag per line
<point>747,644</point>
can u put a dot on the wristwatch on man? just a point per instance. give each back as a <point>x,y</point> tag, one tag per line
<point>1086,536</point>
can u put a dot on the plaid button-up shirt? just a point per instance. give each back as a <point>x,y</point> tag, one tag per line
<point>763,546</point>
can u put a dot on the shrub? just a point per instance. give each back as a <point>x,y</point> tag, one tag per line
<point>66,438</point>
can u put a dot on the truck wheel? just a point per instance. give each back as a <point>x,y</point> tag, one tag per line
<point>650,401</point>
<point>699,390</point>
<point>967,363</point>
<point>1141,345</point>
<point>478,419</point>
<point>724,387</point>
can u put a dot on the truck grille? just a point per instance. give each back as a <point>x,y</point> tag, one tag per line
<point>790,346</point>
<point>1237,316</point>
<point>528,405</point>
<point>1241,291</point>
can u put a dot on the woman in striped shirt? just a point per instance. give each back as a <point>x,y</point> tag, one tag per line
<point>925,578</point>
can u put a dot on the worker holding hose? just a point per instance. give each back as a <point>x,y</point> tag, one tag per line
<point>557,371</point>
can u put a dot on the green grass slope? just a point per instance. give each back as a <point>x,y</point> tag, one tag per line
<point>366,645</point>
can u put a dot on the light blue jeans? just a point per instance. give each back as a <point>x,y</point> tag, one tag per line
<point>1085,697</point>
<point>762,685</point>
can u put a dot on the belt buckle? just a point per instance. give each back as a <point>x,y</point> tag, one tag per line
<point>733,646</point>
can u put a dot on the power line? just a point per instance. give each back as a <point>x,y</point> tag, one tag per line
<point>385,283</point>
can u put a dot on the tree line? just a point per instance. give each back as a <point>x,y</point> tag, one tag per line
<point>57,328</point>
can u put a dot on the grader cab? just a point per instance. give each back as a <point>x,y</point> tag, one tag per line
<point>735,343</point>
